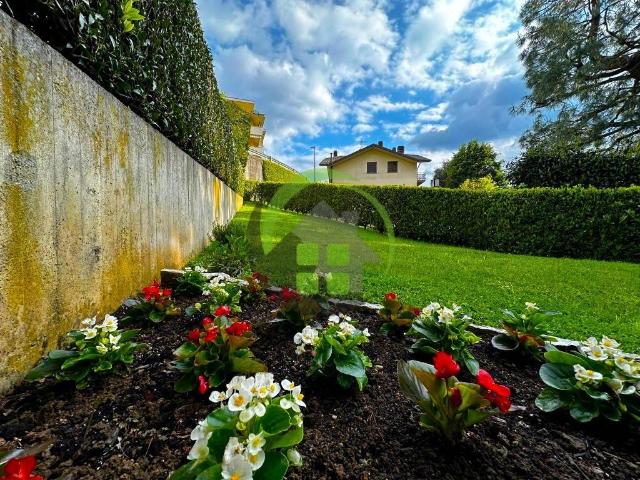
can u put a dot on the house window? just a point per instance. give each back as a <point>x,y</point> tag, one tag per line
<point>392,167</point>
<point>372,167</point>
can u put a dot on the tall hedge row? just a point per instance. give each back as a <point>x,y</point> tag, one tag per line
<point>548,169</point>
<point>272,172</point>
<point>567,222</point>
<point>162,68</point>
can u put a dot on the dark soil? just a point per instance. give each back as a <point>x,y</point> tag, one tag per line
<point>136,427</point>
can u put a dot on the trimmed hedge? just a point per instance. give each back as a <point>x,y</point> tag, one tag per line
<point>567,222</point>
<point>272,172</point>
<point>162,68</point>
<point>541,169</point>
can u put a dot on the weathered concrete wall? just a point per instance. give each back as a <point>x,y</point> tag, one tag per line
<point>253,170</point>
<point>93,201</point>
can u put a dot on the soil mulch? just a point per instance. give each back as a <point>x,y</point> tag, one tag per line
<point>136,427</point>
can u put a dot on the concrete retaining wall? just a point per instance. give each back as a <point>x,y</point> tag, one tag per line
<point>93,201</point>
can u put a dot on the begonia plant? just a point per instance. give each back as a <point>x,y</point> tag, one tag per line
<point>153,304</point>
<point>395,314</point>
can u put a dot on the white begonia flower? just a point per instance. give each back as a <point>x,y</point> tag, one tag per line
<point>255,443</point>
<point>288,385</point>
<point>234,447</point>
<point>89,322</point>
<point>590,342</point>
<point>466,317</point>
<point>250,385</point>
<point>202,431</point>
<point>294,457</point>
<point>260,409</point>
<point>615,384</point>
<point>274,389</point>
<point>236,382</point>
<point>297,338</point>
<point>597,353</point>
<point>239,400</point>
<point>110,324</point>
<point>101,349</point>
<point>298,399</point>
<point>586,376</point>
<point>432,307</point>
<point>366,333</point>
<point>114,339</point>
<point>246,415</point>
<point>335,319</point>
<point>200,269</point>
<point>531,307</point>
<point>199,451</point>
<point>455,307</point>
<point>90,333</point>
<point>217,397</point>
<point>255,459</point>
<point>623,363</point>
<point>308,336</point>
<point>445,315</point>
<point>206,292</point>
<point>609,343</point>
<point>286,404</point>
<point>346,328</point>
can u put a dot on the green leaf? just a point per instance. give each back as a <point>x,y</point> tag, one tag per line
<point>505,342</point>
<point>350,364</point>
<point>61,354</point>
<point>246,365</point>
<point>74,361</point>
<point>211,473</point>
<point>583,412</point>
<point>550,400</point>
<point>156,317</point>
<point>275,420</point>
<point>218,441</point>
<point>323,353</point>
<point>186,383</point>
<point>471,363</point>
<point>274,468</point>
<point>185,350</point>
<point>558,375</point>
<point>345,381</point>
<point>337,346</point>
<point>560,357</point>
<point>285,440</point>
<point>104,365</point>
<point>223,418</point>
<point>190,471</point>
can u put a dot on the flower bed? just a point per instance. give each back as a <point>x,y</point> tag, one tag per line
<point>138,426</point>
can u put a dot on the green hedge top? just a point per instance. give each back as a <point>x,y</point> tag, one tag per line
<point>162,68</point>
<point>567,222</point>
<point>272,172</point>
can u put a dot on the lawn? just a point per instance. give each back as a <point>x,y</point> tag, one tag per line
<point>594,297</point>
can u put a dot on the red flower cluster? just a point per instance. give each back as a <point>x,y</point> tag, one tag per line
<point>154,292</point>
<point>194,335</point>
<point>455,397</point>
<point>390,296</point>
<point>210,332</point>
<point>498,395</point>
<point>20,469</point>
<point>223,311</point>
<point>288,294</point>
<point>211,335</point>
<point>445,365</point>
<point>239,328</point>
<point>273,297</point>
<point>203,386</point>
<point>206,321</point>
<point>416,311</point>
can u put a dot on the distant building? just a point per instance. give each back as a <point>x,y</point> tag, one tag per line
<point>257,133</point>
<point>375,165</point>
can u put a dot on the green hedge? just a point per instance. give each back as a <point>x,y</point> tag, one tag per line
<point>544,169</point>
<point>272,172</point>
<point>567,222</point>
<point>162,68</point>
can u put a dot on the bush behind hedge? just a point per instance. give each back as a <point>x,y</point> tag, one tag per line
<point>272,172</point>
<point>162,69</point>
<point>567,222</point>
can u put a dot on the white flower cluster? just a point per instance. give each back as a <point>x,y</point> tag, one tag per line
<point>250,396</point>
<point>627,368</point>
<point>310,336</point>
<point>444,314</point>
<point>217,284</point>
<point>197,269</point>
<point>108,341</point>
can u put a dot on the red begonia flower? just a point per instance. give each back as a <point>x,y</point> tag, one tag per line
<point>206,321</point>
<point>239,328</point>
<point>20,469</point>
<point>288,294</point>
<point>211,335</point>
<point>455,397</point>
<point>391,296</point>
<point>194,335</point>
<point>224,310</point>
<point>203,386</point>
<point>445,365</point>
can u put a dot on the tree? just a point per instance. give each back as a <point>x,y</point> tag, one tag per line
<point>473,160</point>
<point>582,61</point>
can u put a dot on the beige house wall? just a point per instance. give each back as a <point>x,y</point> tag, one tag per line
<point>94,202</point>
<point>354,170</point>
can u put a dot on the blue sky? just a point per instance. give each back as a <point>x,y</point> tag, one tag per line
<point>427,74</point>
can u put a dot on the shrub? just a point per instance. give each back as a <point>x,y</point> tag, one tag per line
<point>336,351</point>
<point>442,328</point>
<point>573,222</point>
<point>599,380</point>
<point>527,331</point>
<point>229,252</point>
<point>273,172</point>
<point>253,435</point>
<point>449,406</point>
<point>192,281</point>
<point>154,304</point>
<point>221,290</point>
<point>255,286</point>
<point>539,168</point>
<point>214,352</point>
<point>161,68</point>
<point>395,314</point>
<point>96,349</point>
<point>484,184</point>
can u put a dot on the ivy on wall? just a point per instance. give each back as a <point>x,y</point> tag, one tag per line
<point>153,56</point>
<point>272,172</point>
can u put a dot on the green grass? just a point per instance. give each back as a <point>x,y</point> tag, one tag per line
<point>595,297</point>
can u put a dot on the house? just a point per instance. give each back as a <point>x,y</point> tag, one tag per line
<point>375,165</point>
<point>253,169</point>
